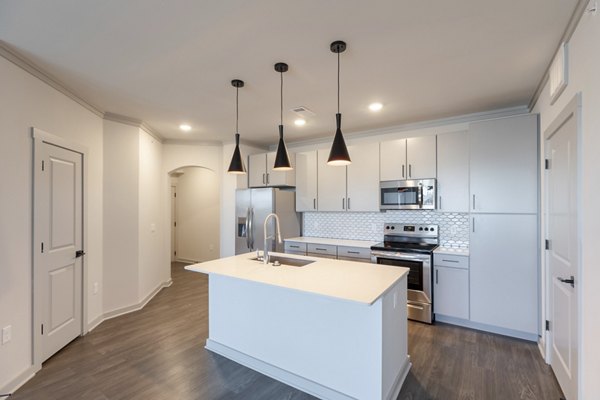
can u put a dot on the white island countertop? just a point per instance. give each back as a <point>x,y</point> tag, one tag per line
<point>346,280</point>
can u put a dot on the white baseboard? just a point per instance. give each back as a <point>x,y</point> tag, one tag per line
<point>532,337</point>
<point>95,322</point>
<point>291,379</point>
<point>136,307</point>
<point>19,380</point>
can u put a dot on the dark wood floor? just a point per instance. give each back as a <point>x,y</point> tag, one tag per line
<point>158,353</point>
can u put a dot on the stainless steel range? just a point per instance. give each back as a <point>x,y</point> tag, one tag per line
<point>411,246</point>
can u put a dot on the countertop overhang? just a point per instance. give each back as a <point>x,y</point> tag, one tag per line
<point>346,280</point>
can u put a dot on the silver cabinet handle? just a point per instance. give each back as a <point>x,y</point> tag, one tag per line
<point>264,180</point>
<point>440,202</point>
<point>320,249</point>
<point>353,252</point>
<point>314,204</point>
<point>294,247</point>
<point>268,179</point>
<point>436,276</point>
<point>403,170</point>
<point>343,204</point>
<point>473,202</point>
<point>410,170</point>
<point>473,224</point>
<point>454,261</point>
<point>348,203</point>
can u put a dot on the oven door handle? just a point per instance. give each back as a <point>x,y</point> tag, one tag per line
<point>399,256</point>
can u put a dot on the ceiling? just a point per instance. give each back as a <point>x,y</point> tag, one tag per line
<point>169,62</point>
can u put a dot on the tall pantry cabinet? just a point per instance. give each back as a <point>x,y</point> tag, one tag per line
<point>504,265</point>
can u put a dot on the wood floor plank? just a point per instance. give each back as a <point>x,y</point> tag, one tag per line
<point>158,353</point>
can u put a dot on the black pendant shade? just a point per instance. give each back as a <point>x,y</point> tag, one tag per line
<point>282,161</point>
<point>236,166</point>
<point>338,156</point>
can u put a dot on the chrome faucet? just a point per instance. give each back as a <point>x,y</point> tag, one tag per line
<point>266,250</point>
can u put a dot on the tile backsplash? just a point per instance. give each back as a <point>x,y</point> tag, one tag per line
<point>454,227</point>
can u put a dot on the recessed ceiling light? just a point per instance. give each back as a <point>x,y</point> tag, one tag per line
<point>300,122</point>
<point>185,127</point>
<point>375,106</point>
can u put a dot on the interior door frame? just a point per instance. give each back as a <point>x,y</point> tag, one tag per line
<point>39,138</point>
<point>573,109</point>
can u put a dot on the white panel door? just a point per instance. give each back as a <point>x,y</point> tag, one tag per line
<point>257,173</point>
<point>173,223</point>
<point>421,157</point>
<point>306,181</point>
<point>331,184</point>
<point>453,171</point>
<point>363,178</point>
<point>451,292</point>
<point>392,162</point>
<point>504,165</point>
<point>562,256</point>
<point>60,225</point>
<point>504,271</point>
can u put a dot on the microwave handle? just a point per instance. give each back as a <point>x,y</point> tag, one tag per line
<point>420,196</point>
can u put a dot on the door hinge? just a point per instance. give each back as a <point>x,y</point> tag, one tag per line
<point>547,245</point>
<point>175,224</point>
<point>42,247</point>
<point>175,252</point>
<point>175,194</point>
<point>546,163</point>
<point>547,325</point>
<point>42,329</point>
<point>42,165</point>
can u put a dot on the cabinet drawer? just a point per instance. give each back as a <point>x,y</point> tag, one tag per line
<point>322,249</point>
<point>450,260</point>
<point>365,260</point>
<point>353,252</point>
<point>321,255</point>
<point>295,247</point>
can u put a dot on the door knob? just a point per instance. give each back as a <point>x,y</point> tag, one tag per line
<point>570,281</point>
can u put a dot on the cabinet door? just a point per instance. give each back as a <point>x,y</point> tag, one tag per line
<point>306,181</point>
<point>257,173</point>
<point>504,271</point>
<point>392,162</point>
<point>504,165</point>
<point>363,178</point>
<point>421,157</point>
<point>280,178</point>
<point>451,292</point>
<point>331,184</point>
<point>453,171</point>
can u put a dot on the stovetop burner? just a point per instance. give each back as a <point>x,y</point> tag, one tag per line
<point>409,238</point>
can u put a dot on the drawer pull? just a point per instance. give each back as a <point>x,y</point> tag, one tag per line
<point>320,249</point>
<point>353,252</point>
<point>295,247</point>
<point>454,261</point>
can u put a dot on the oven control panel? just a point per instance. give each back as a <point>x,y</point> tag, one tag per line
<point>422,230</point>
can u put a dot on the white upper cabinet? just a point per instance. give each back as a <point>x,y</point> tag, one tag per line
<point>261,173</point>
<point>331,184</point>
<point>412,158</point>
<point>421,157</point>
<point>453,171</point>
<point>392,162</point>
<point>504,165</point>
<point>363,178</point>
<point>306,181</point>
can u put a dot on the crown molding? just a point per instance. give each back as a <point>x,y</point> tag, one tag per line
<point>138,123</point>
<point>20,61</point>
<point>216,143</point>
<point>459,119</point>
<point>567,34</point>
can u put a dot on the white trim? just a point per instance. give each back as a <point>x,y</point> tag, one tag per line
<point>296,381</point>
<point>94,323</point>
<point>13,385</point>
<point>20,61</point>
<point>138,123</point>
<point>136,307</point>
<point>532,337</point>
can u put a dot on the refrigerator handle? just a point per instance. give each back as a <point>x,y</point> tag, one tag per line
<point>251,228</point>
<point>248,227</point>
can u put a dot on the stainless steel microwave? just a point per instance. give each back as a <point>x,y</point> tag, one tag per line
<point>407,195</point>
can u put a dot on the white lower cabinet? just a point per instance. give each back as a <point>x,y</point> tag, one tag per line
<point>504,271</point>
<point>451,292</point>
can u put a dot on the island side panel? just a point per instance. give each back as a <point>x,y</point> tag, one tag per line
<point>396,362</point>
<point>335,343</point>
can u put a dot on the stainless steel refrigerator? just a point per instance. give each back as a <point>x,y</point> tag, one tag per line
<point>253,206</point>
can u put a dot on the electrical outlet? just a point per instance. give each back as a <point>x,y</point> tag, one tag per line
<point>6,334</point>
<point>95,288</point>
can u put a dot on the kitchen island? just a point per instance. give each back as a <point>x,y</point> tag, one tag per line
<point>332,328</point>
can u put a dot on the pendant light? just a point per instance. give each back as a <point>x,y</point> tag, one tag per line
<point>237,164</point>
<point>282,160</point>
<point>338,155</point>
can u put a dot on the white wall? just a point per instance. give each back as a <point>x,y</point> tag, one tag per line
<point>27,102</point>
<point>153,271</point>
<point>121,199</point>
<point>198,214</point>
<point>584,77</point>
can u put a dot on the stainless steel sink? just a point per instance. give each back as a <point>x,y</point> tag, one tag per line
<point>292,262</point>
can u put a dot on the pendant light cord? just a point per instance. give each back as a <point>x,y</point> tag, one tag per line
<point>338,82</point>
<point>281,101</point>
<point>237,91</point>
